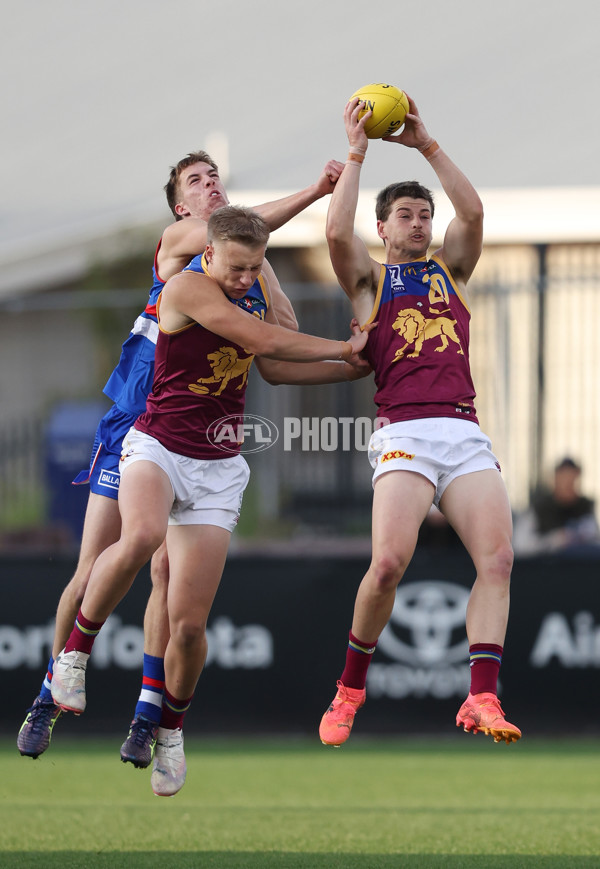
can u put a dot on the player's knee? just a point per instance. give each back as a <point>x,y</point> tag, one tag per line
<point>499,564</point>
<point>188,633</point>
<point>387,570</point>
<point>159,569</point>
<point>138,545</point>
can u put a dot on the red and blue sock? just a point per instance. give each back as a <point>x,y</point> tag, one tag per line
<point>173,711</point>
<point>46,689</point>
<point>83,635</point>
<point>153,684</point>
<point>358,658</point>
<point>484,660</point>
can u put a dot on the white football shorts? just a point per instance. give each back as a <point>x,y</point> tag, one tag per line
<point>205,491</point>
<point>439,448</point>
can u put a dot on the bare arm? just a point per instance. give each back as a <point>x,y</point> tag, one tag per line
<point>181,242</point>
<point>463,240</point>
<point>355,270</point>
<point>186,238</point>
<point>279,211</point>
<point>190,296</point>
<point>312,373</point>
<point>308,373</point>
<point>281,305</point>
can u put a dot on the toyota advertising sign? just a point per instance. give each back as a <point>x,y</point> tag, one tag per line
<point>281,624</point>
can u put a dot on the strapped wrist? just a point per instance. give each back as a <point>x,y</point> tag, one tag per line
<point>430,149</point>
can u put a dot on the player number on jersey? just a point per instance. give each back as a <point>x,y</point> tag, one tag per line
<point>438,291</point>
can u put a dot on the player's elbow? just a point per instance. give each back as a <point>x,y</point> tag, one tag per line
<point>289,322</point>
<point>339,253</point>
<point>475,212</point>
<point>271,377</point>
<point>337,235</point>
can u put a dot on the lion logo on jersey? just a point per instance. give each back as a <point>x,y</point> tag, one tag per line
<point>414,328</point>
<point>226,366</point>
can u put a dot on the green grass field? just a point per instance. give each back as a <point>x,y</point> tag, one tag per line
<point>458,803</point>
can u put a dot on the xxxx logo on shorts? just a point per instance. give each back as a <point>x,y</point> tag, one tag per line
<point>396,454</point>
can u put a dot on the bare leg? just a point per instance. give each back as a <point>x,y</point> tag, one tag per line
<point>477,507</point>
<point>143,530</point>
<point>197,556</point>
<point>156,618</point>
<point>401,501</point>
<point>101,529</point>
<point>139,746</point>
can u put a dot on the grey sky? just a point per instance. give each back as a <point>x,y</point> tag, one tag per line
<point>103,98</point>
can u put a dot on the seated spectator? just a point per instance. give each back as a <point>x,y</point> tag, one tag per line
<point>558,519</point>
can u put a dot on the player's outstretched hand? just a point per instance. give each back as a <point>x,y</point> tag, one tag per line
<point>329,177</point>
<point>358,366</point>
<point>414,133</point>
<point>355,126</point>
<point>358,340</point>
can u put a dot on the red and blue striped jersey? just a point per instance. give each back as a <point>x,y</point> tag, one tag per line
<point>131,381</point>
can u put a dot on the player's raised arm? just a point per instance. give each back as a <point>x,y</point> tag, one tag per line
<point>278,212</point>
<point>181,241</point>
<point>354,268</point>
<point>463,239</point>
<point>197,191</point>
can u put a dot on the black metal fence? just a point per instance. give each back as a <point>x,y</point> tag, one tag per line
<point>22,483</point>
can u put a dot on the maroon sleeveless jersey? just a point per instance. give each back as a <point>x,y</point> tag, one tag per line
<point>199,379</point>
<point>420,349</point>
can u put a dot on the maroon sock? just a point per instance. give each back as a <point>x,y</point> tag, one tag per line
<point>83,634</point>
<point>358,658</point>
<point>173,711</point>
<point>485,660</point>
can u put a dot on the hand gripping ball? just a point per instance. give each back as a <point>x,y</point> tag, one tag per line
<point>389,106</point>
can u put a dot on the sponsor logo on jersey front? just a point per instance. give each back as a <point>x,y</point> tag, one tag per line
<point>397,284</point>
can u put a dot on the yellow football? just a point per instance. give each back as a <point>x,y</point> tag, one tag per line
<point>389,106</point>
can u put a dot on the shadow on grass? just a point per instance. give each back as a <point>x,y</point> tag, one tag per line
<point>282,860</point>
